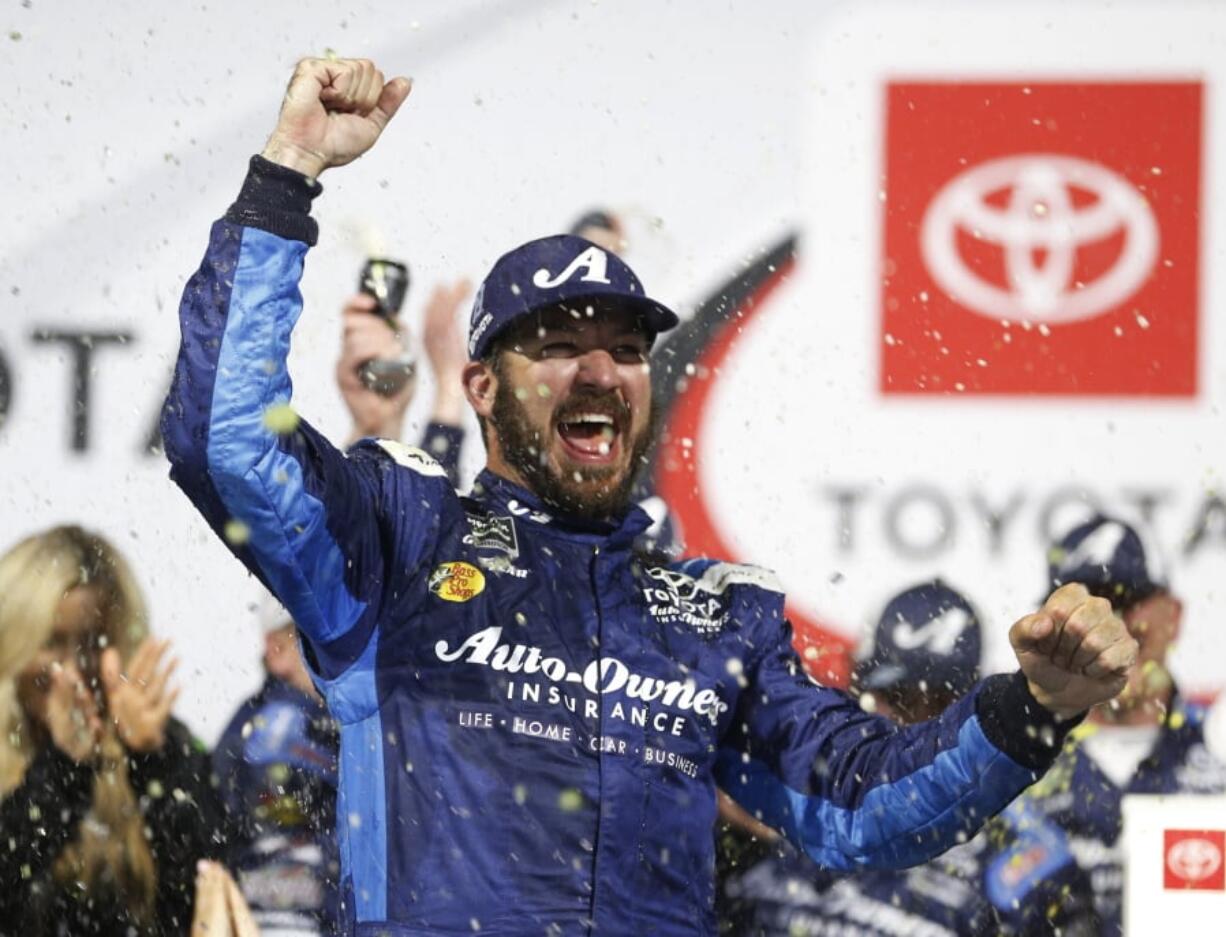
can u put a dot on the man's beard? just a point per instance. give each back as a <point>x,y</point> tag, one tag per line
<point>597,493</point>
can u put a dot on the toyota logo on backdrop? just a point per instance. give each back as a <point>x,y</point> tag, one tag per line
<point>1039,228</point>
<point>1041,238</point>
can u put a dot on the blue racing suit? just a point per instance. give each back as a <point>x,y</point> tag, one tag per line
<point>529,709</point>
<point>276,767</point>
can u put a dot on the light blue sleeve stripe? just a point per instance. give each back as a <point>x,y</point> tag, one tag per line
<point>361,817</point>
<point>258,482</point>
<point>361,805</point>
<point>899,824</point>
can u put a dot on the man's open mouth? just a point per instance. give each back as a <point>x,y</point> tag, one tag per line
<point>590,436</point>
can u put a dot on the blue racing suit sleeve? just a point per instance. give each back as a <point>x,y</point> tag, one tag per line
<point>856,790</point>
<point>316,526</point>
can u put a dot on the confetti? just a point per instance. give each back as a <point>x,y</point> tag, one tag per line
<point>236,532</point>
<point>281,419</point>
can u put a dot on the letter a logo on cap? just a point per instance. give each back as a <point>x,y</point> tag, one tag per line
<point>593,260</point>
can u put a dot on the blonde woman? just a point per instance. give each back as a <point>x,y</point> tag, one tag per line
<point>108,801</point>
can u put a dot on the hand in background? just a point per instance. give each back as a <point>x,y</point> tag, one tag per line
<point>66,709</point>
<point>732,813</point>
<point>139,697</point>
<point>366,336</point>
<point>443,341</point>
<point>221,910</point>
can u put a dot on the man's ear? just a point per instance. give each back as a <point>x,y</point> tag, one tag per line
<point>480,387</point>
<point>1176,617</point>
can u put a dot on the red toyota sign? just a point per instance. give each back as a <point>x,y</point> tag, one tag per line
<point>1041,238</point>
<point>1193,859</point>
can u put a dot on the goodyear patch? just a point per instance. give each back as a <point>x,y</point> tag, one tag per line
<point>456,582</point>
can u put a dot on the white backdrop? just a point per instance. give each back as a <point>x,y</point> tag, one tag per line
<point>716,128</point>
<point>1040,461</point>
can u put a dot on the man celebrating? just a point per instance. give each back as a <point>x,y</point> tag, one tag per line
<point>529,710</point>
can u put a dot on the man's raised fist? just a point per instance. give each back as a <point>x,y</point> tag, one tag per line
<point>333,112</point>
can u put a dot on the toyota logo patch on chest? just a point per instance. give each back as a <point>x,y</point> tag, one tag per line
<point>673,598</point>
<point>1041,238</point>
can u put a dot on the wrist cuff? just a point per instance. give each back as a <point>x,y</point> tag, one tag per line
<point>1018,724</point>
<point>277,199</point>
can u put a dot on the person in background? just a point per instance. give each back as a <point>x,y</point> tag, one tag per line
<point>365,335</point>
<point>276,762</point>
<point>1149,740</point>
<point>1016,877</point>
<point>602,227</point>
<point>1215,728</point>
<point>108,800</point>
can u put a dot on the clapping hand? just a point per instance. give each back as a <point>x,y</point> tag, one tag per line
<point>139,697</point>
<point>67,710</point>
<point>220,910</point>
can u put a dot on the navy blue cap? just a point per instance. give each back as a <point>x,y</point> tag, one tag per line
<point>1108,557</point>
<point>929,633</point>
<point>551,271</point>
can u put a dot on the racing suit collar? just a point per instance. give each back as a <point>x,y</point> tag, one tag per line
<point>506,496</point>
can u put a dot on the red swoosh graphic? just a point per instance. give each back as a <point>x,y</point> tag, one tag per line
<point>825,652</point>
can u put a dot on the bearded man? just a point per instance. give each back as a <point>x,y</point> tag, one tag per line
<point>530,710</point>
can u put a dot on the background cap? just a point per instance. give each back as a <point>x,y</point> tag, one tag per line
<point>1108,557</point>
<point>929,633</point>
<point>552,270</point>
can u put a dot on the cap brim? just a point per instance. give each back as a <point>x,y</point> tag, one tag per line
<point>656,316</point>
<point>660,318</point>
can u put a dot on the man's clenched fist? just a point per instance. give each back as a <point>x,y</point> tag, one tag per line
<point>333,112</point>
<point>1075,651</point>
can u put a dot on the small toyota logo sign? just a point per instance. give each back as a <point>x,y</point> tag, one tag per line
<point>1039,227</point>
<point>1194,860</point>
